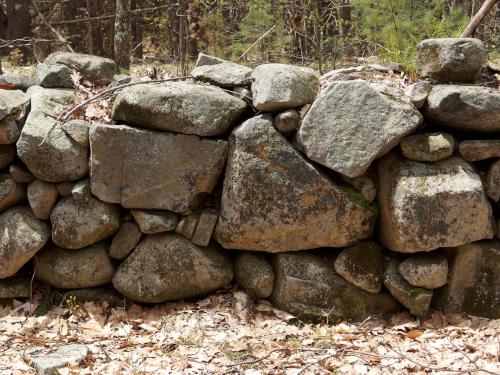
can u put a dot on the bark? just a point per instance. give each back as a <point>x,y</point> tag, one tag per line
<point>182,37</point>
<point>19,24</point>
<point>136,32</point>
<point>122,34</point>
<point>476,20</point>
<point>95,29</point>
<point>317,12</point>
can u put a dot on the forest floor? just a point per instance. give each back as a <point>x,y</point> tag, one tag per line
<point>228,332</point>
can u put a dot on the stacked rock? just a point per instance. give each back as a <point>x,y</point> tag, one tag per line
<point>335,197</point>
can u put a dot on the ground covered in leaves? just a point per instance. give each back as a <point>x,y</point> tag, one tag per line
<point>229,332</point>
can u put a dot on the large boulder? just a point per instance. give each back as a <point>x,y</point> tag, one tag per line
<point>427,206</point>
<point>11,192</point>
<point>353,123</point>
<point>94,68</point>
<point>467,108</point>
<point>221,72</point>
<point>42,196</point>
<point>450,59</point>
<point>153,170</point>
<point>277,87</point>
<point>15,287</point>
<point>473,281</point>
<point>12,103</point>
<point>54,75</point>
<point>273,200</point>
<point>79,224</point>
<point>178,107</point>
<point>167,267</point>
<point>21,236</point>
<point>307,286</point>
<point>17,81</point>
<point>48,152</point>
<point>73,269</point>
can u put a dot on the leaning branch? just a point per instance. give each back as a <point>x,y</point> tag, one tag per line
<point>257,41</point>
<point>476,20</point>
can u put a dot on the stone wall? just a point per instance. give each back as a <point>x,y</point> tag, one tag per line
<point>347,195</point>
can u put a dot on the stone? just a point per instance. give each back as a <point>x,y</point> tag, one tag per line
<point>287,121</point>
<point>17,81</point>
<point>205,227</point>
<point>306,286</point>
<point>428,146</point>
<point>494,65</point>
<point>93,68</point>
<point>415,299</point>
<point>418,92</point>
<point>178,107</point>
<point>13,103</point>
<point>187,225</point>
<point>59,158</point>
<point>10,130</point>
<point>352,72</point>
<point>54,75</point>
<point>78,130</point>
<point>42,196</point>
<point>361,265</point>
<point>151,222</point>
<point>175,173</point>
<point>244,93</point>
<point>204,59</point>
<point>476,150</point>
<point>254,273</point>
<point>79,224</point>
<point>65,188</point>
<point>81,191</point>
<point>396,67</point>
<point>273,200</point>
<point>277,87</point>
<point>340,132</point>
<point>225,74</point>
<point>72,269</point>
<point>20,174</point>
<point>427,271</point>
<point>364,184</point>
<point>125,240</point>
<point>15,287</point>
<point>492,184</point>
<point>167,267</point>
<point>11,192</point>
<point>7,155</point>
<point>48,361</point>
<point>464,108</point>
<point>450,59</point>
<point>426,206</point>
<point>22,235</point>
<point>473,283</point>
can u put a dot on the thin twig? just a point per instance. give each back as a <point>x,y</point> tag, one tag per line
<point>257,41</point>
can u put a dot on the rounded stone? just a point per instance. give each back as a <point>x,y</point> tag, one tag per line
<point>425,270</point>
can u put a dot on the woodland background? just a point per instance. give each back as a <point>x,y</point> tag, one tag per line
<point>322,34</point>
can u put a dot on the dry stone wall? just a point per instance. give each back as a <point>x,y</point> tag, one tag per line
<point>339,196</point>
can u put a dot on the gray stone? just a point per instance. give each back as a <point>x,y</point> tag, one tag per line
<point>428,146</point>
<point>492,184</point>
<point>48,361</point>
<point>80,224</point>
<point>205,227</point>
<point>364,184</point>
<point>352,72</point>
<point>225,74</point>
<point>287,121</point>
<point>7,155</point>
<point>244,93</point>
<point>427,271</point>
<point>415,299</point>
<point>125,240</point>
<point>151,222</point>
<point>166,267</point>
<point>204,59</point>
<point>73,269</point>
<point>277,87</point>
<point>65,188</point>
<point>469,108</point>
<point>54,75</point>
<point>42,196</point>
<point>81,191</point>
<point>10,130</point>
<point>59,158</point>
<point>11,192</point>
<point>22,235</point>
<point>254,273</point>
<point>273,200</point>
<point>395,66</point>
<point>352,123</point>
<point>20,174</point>
<point>187,225</point>
<point>418,92</point>
<point>178,107</point>
<point>17,81</point>
<point>450,59</point>
<point>426,206</point>
<point>12,103</point>
<point>78,130</point>
<point>175,173</point>
<point>15,287</point>
<point>494,65</point>
<point>307,286</point>
<point>473,281</point>
<point>361,265</point>
<point>479,149</point>
<point>94,68</point>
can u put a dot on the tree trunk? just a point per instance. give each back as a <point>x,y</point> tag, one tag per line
<point>317,12</point>
<point>182,37</point>
<point>19,25</point>
<point>136,32</point>
<point>95,30</point>
<point>476,20</point>
<point>122,34</point>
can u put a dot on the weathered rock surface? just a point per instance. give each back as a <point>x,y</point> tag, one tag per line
<point>10,130</point>
<point>468,108</point>
<point>306,286</point>
<point>364,184</point>
<point>361,265</point>
<point>151,170</point>
<point>204,59</point>
<point>11,192</point>
<point>125,240</point>
<point>273,200</point>
<point>450,59</point>
<point>178,107</point>
<point>427,271</point>
<point>12,103</point>
<point>20,174</point>
<point>167,267</point>
<point>287,121</point>
<point>428,146</point>
<point>418,92</point>
<point>48,361</point>
<point>81,191</point>
<point>492,184</point>
<point>94,68</point>
<point>205,227</point>
<point>254,273</point>
<point>278,87</point>
<point>151,222</point>
<point>7,155</point>
<point>22,235</point>
<point>73,269</point>
<point>42,196</point>
<point>80,224</point>
<point>17,81</point>
<point>476,150</point>
<point>54,75</point>
<point>223,74</point>
<point>78,130</point>
<point>352,123</point>
<point>427,206</point>
<point>65,188</point>
<point>59,158</point>
<point>15,287</point>
<point>494,65</point>
<point>473,281</point>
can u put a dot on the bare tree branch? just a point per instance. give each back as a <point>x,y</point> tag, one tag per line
<point>44,20</point>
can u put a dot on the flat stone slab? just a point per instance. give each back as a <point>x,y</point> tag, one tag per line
<point>476,150</point>
<point>47,361</point>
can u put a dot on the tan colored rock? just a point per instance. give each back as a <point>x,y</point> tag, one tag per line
<point>205,227</point>
<point>78,130</point>
<point>20,174</point>
<point>428,146</point>
<point>125,240</point>
<point>151,222</point>
<point>42,196</point>
<point>492,185</point>
<point>427,271</point>
<point>81,191</point>
<point>254,273</point>
<point>418,92</point>
<point>364,184</point>
<point>187,225</point>
<point>65,188</point>
<point>479,149</point>
<point>11,192</point>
